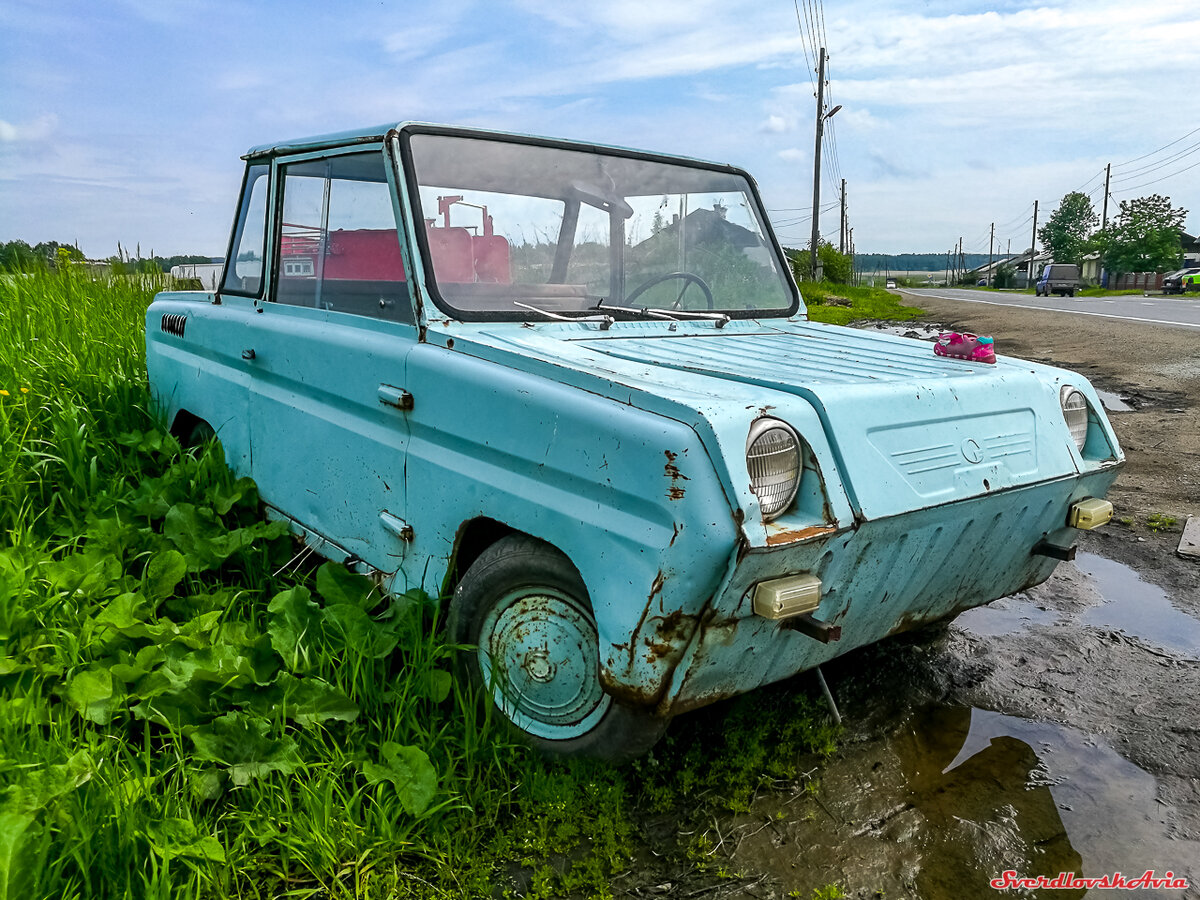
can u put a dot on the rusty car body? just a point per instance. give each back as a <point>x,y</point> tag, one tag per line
<point>574,390</point>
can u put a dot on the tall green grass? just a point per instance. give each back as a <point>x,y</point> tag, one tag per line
<point>188,708</point>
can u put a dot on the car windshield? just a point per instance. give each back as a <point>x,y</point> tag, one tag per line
<point>512,225</point>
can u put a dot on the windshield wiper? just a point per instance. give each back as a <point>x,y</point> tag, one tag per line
<point>605,321</point>
<point>675,315</point>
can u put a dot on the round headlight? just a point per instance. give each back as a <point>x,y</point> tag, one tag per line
<point>1075,411</point>
<point>773,460</point>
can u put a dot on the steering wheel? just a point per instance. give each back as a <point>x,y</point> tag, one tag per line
<point>685,276</point>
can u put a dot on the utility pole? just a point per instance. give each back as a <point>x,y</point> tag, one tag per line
<point>1032,246</point>
<point>815,266</point>
<point>991,243</point>
<point>962,260</point>
<point>842,230</point>
<point>1103,225</point>
<point>1107,176</point>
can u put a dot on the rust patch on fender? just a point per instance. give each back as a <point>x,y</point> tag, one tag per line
<point>674,492</point>
<point>800,534</point>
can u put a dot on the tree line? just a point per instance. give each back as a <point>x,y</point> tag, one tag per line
<point>19,256</point>
<point>1146,235</point>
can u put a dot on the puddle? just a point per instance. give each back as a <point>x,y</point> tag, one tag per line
<point>957,796</point>
<point>1038,798</point>
<point>1137,607</point>
<point>1114,402</point>
<point>1006,616</point>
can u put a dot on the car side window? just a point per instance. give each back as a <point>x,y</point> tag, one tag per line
<point>244,265</point>
<point>337,240</point>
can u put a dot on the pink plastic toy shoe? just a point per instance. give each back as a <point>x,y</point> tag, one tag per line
<point>965,346</point>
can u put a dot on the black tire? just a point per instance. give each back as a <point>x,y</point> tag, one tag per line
<point>200,433</point>
<point>522,591</point>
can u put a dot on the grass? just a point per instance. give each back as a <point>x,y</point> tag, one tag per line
<point>187,709</point>
<point>840,304</point>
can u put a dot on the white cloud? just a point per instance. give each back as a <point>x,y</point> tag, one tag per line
<point>775,125</point>
<point>36,130</point>
<point>794,154</point>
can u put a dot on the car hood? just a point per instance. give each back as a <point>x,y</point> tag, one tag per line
<point>908,428</point>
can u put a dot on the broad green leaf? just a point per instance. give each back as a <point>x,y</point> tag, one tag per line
<point>207,784</point>
<point>349,628</point>
<point>409,770</point>
<point>9,666</point>
<point>337,584</point>
<point>93,694</point>
<point>163,573</point>
<point>306,701</point>
<point>90,573</point>
<point>172,838</point>
<point>294,627</point>
<point>240,742</point>
<point>124,612</point>
<point>438,686</point>
<point>174,709</point>
<point>14,866</point>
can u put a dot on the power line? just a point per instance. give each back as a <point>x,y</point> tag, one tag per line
<point>1146,170</point>
<point>1156,180</point>
<point>804,45</point>
<point>1159,150</point>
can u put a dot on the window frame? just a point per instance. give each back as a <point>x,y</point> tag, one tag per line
<point>279,166</point>
<point>417,212</point>
<point>239,228</point>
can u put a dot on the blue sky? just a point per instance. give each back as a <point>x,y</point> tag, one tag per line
<point>124,120</point>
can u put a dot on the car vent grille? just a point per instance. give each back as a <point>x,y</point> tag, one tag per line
<point>173,323</point>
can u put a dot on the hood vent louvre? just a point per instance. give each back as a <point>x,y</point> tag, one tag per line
<point>173,323</point>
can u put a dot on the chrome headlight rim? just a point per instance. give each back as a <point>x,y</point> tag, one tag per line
<point>1076,412</point>
<point>774,507</point>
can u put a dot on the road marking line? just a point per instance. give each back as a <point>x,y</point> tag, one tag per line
<point>1071,312</point>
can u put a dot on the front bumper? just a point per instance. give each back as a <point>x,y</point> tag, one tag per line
<point>880,578</point>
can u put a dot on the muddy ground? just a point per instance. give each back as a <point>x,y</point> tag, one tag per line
<point>1057,730</point>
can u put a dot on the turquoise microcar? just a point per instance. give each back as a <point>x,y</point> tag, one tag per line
<point>573,390</point>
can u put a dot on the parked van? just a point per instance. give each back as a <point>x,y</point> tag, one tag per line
<point>1058,278</point>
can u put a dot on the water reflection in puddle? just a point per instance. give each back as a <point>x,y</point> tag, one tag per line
<point>1007,616</point>
<point>1000,792</point>
<point>1137,607</point>
<point>1113,402</point>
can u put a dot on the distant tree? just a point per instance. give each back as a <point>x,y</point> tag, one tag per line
<point>1145,236</point>
<point>16,256</point>
<point>836,268</point>
<point>1006,276</point>
<point>1066,232</point>
<point>50,253</point>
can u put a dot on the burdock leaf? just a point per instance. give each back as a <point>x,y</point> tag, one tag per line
<point>410,772</point>
<point>294,626</point>
<point>309,701</point>
<point>93,694</point>
<point>337,584</point>
<point>240,742</point>
<point>163,573</point>
<point>172,838</point>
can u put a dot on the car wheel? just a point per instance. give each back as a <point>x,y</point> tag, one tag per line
<point>200,433</point>
<point>523,615</point>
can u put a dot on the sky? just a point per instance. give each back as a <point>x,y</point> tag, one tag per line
<point>124,120</point>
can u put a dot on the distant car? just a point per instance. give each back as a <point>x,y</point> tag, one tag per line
<point>1180,280</point>
<point>1058,278</point>
<point>890,284</point>
<point>982,282</point>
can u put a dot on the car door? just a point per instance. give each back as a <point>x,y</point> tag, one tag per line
<point>328,406</point>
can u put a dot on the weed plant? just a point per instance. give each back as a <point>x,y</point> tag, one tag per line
<point>840,304</point>
<point>188,709</point>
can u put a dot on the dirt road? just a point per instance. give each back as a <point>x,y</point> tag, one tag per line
<point>1054,731</point>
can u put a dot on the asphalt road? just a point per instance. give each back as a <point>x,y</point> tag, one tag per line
<point>1183,312</point>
